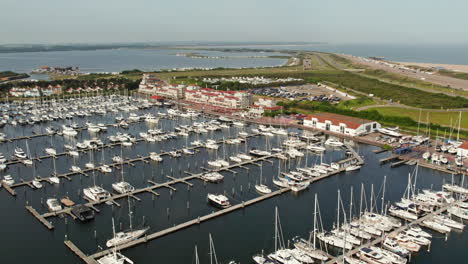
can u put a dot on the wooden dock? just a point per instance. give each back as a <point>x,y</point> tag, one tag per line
<point>355,158</point>
<point>79,253</point>
<point>192,222</point>
<point>112,165</point>
<point>40,217</point>
<point>388,159</point>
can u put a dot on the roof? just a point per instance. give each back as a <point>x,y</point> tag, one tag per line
<point>231,97</point>
<point>335,119</point>
<point>464,145</point>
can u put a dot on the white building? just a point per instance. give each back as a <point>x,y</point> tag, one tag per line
<point>346,125</point>
<point>218,98</point>
<point>462,150</point>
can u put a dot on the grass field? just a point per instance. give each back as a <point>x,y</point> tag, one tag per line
<point>441,118</point>
<point>454,74</point>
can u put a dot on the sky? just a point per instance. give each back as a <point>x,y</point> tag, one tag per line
<point>331,21</point>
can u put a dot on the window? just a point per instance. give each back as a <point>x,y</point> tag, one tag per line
<point>327,126</point>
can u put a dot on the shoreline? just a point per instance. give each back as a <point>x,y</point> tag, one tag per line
<point>452,67</point>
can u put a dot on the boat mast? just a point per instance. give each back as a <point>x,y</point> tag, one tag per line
<point>276,229</point>
<point>338,211</point>
<point>372,199</point>
<point>351,205</point>
<point>383,194</point>
<point>197,261</point>
<point>315,220</point>
<point>129,213</point>
<point>459,123</point>
<point>212,252</point>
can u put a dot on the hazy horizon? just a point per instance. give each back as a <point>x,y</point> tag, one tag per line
<point>145,21</point>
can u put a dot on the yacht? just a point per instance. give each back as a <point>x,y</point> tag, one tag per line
<point>96,193</point>
<point>122,187</point>
<point>212,177</point>
<point>334,142</point>
<point>75,169</point>
<point>219,200</point>
<point>105,168</point>
<point>389,132</point>
<point>37,184</point>
<point>155,157</point>
<point>263,189</point>
<point>82,212</point>
<point>244,156</point>
<point>353,167</point>
<point>372,257</point>
<point>114,258</point>
<point>19,153</point>
<point>259,153</point>
<point>392,245</point>
<point>50,151</point>
<point>125,237</point>
<point>235,159</point>
<point>8,180</point>
<point>53,205</point>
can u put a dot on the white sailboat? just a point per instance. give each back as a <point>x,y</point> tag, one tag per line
<point>260,187</point>
<point>122,186</point>
<point>126,236</point>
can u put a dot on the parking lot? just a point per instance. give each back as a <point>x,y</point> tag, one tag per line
<point>302,92</point>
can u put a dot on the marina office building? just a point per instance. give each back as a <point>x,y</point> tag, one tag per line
<point>346,125</point>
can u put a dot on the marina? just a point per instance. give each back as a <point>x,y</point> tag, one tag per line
<point>174,175</point>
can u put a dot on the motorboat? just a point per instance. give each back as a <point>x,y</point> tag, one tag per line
<point>19,153</point>
<point>122,187</point>
<point>353,167</point>
<point>37,183</point>
<point>8,180</point>
<point>54,179</point>
<point>82,212</point>
<point>155,157</point>
<point>50,151</point>
<point>105,168</point>
<point>75,168</point>
<point>53,205</point>
<point>219,200</point>
<point>261,188</point>
<point>96,193</point>
<point>235,159</point>
<point>212,177</point>
<point>371,256</point>
<point>334,142</point>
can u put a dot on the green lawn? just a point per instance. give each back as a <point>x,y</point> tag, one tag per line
<point>454,74</point>
<point>441,118</point>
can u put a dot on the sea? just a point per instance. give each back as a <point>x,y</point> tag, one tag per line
<point>116,60</point>
<point>237,235</point>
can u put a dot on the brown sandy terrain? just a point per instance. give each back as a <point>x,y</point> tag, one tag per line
<point>431,78</point>
<point>452,67</point>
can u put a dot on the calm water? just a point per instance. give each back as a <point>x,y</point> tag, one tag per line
<point>117,60</point>
<point>237,235</point>
<point>444,53</point>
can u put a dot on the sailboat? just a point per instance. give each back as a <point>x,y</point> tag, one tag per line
<point>114,257</point>
<point>126,236</point>
<point>96,193</point>
<point>281,253</point>
<point>54,179</point>
<point>122,186</point>
<point>260,187</point>
<point>104,167</point>
<point>309,247</point>
<point>213,257</point>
